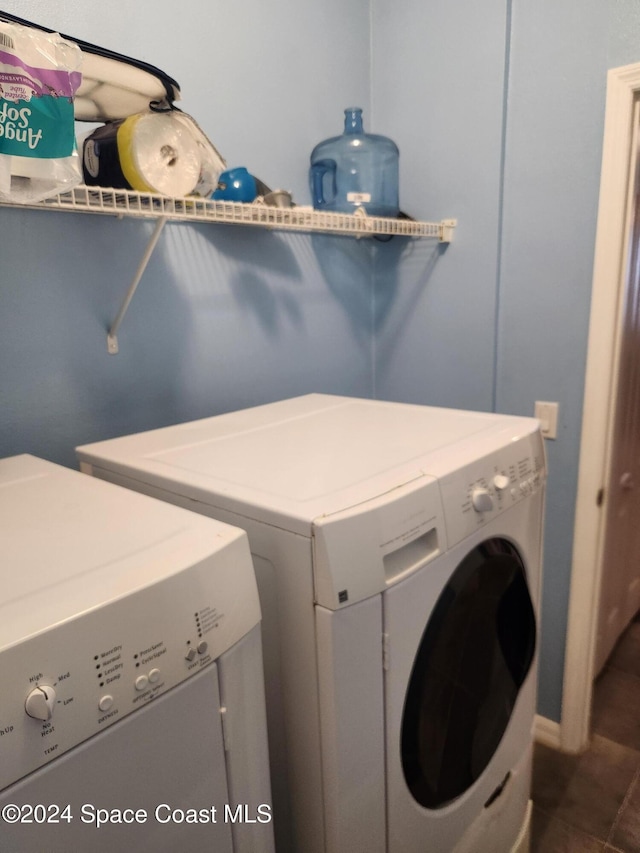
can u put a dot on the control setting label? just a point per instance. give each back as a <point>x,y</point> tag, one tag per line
<point>207,619</point>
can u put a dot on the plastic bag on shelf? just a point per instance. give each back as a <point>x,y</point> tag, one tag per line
<point>39,75</point>
<point>113,86</point>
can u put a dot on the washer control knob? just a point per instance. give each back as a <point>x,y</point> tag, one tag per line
<point>141,683</point>
<point>500,482</point>
<point>39,703</point>
<point>481,500</point>
<point>105,702</point>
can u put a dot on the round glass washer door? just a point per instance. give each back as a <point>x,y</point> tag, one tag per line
<point>473,658</point>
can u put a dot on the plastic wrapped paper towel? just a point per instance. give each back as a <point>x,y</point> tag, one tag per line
<point>156,152</point>
<point>39,76</point>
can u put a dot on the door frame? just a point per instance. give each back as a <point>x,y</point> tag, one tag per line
<point>601,386</point>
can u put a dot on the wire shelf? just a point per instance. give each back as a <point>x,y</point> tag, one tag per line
<point>130,203</point>
<point>163,209</point>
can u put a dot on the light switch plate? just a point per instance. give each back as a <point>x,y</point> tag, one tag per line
<point>547,414</point>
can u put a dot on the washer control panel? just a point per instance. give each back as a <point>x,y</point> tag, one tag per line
<point>477,493</point>
<point>65,684</point>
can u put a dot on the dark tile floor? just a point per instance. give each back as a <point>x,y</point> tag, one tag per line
<point>590,803</point>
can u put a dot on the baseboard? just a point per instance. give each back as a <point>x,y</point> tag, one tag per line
<point>546,732</point>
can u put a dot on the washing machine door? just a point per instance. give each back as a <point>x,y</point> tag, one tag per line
<point>472,660</point>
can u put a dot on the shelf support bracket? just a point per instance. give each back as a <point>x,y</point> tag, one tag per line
<point>112,335</point>
<point>446,230</point>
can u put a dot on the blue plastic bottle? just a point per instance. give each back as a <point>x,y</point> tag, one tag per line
<point>355,170</point>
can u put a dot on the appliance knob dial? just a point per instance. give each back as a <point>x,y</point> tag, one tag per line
<point>500,482</point>
<point>39,703</point>
<point>481,500</point>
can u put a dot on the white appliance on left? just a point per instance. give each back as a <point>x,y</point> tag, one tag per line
<point>132,711</point>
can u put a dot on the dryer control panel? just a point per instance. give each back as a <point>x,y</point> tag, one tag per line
<point>80,676</point>
<point>481,490</point>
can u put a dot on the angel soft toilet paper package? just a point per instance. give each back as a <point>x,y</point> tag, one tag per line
<point>39,76</point>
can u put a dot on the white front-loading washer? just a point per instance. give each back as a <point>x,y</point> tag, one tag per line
<point>132,711</point>
<point>398,555</point>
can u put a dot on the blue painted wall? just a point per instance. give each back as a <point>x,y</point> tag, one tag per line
<point>500,123</point>
<point>224,317</point>
<point>554,126</point>
<point>498,111</point>
<point>438,90</point>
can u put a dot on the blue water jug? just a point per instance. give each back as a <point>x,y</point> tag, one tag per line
<point>355,170</point>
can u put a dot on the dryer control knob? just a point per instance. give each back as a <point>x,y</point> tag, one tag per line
<point>481,500</point>
<point>39,703</point>
<point>500,482</point>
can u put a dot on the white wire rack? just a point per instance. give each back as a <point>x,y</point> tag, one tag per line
<point>112,202</point>
<point>129,203</point>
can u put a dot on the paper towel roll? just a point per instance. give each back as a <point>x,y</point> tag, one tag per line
<point>148,152</point>
<point>157,154</point>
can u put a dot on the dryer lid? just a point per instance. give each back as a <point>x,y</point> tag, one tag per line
<point>296,460</point>
<point>70,543</point>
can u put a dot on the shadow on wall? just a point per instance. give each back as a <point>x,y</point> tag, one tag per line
<point>241,244</point>
<point>255,263</point>
<point>347,267</point>
<point>403,273</point>
<point>387,259</point>
<point>255,269</point>
<point>270,307</point>
<point>347,263</point>
<point>269,316</point>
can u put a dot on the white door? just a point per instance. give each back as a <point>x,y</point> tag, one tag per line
<point>620,584</point>
<point>591,574</point>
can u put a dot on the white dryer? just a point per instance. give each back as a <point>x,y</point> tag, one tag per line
<point>132,709</point>
<point>398,557</point>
